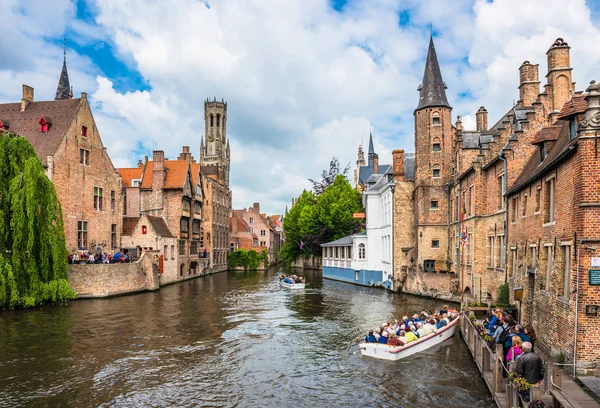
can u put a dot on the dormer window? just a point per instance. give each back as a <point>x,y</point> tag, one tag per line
<point>84,131</point>
<point>44,125</point>
<point>3,125</point>
<point>543,151</point>
<point>572,129</point>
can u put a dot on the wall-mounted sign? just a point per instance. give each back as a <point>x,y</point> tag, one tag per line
<point>595,277</point>
<point>359,215</point>
<point>595,262</point>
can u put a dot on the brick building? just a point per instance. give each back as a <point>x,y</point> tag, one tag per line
<point>214,163</point>
<point>516,203</point>
<point>170,197</point>
<point>263,227</point>
<point>64,135</point>
<point>241,235</point>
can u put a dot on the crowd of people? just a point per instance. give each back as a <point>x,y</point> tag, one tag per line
<point>402,332</point>
<point>292,279</point>
<point>100,257</point>
<point>517,344</point>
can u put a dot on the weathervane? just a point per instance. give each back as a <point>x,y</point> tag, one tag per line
<point>65,48</point>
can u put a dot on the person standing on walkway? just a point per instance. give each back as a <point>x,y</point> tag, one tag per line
<point>529,365</point>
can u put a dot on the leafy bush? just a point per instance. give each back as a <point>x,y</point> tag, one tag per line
<point>248,259</point>
<point>503,295</point>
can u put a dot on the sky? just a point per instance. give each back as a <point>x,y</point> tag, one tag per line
<point>304,80</point>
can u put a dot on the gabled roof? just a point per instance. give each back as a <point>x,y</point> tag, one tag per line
<point>547,133</point>
<point>365,172</point>
<point>129,224</point>
<point>432,91</point>
<point>159,225</point>
<point>536,168</point>
<point>26,124</point>
<point>195,170</point>
<point>129,174</point>
<point>176,173</point>
<point>577,104</point>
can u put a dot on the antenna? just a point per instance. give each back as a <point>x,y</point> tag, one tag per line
<point>431,28</point>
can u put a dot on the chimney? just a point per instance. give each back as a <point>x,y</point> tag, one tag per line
<point>398,165</point>
<point>482,119</point>
<point>27,97</point>
<point>459,123</point>
<point>84,95</point>
<point>256,207</point>
<point>185,154</point>
<point>140,163</point>
<point>529,83</point>
<point>376,164</point>
<point>559,73</point>
<point>158,171</point>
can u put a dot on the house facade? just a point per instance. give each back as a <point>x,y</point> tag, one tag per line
<point>65,137</point>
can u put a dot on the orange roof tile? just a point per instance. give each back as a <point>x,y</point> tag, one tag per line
<point>195,169</point>
<point>575,105</point>
<point>128,174</point>
<point>176,174</point>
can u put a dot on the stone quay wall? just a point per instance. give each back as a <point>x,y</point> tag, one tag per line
<point>103,280</point>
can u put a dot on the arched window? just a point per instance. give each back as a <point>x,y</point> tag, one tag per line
<point>435,120</point>
<point>212,120</point>
<point>436,171</point>
<point>437,145</point>
<point>361,251</point>
<point>218,119</point>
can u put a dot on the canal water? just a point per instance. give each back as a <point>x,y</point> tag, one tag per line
<point>234,339</point>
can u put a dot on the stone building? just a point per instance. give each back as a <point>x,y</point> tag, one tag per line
<point>214,164</point>
<point>64,135</point>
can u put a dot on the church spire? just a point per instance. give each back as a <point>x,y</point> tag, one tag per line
<point>371,155</point>
<point>64,90</point>
<point>433,89</point>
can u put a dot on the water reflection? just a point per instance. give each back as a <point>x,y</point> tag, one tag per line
<point>232,339</point>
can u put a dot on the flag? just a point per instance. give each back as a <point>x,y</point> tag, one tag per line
<point>301,244</point>
<point>464,236</point>
<point>463,212</point>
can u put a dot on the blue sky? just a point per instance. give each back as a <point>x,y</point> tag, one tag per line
<point>305,80</point>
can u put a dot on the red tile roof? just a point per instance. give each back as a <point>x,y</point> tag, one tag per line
<point>128,174</point>
<point>577,104</point>
<point>195,169</point>
<point>59,113</point>
<point>176,174</point>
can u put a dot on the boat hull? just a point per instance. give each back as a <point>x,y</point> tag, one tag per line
<point>386,352</point>
<point>292,285</point>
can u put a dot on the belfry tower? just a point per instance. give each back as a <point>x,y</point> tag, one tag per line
<point>214,146</point>
<point>63,90</point>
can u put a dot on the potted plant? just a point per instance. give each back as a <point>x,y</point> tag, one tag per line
<point>536,404</point>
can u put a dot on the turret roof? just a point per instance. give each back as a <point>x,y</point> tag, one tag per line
<point>433,89</point>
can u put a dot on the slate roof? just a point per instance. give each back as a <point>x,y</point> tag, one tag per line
<point>129,224</point>
<point>346,241</point>
<point>63,90</point>
<point>159,225</point>
<point>175,177</point>
<point>59,113</point>
<point>546,133</point>
<point>365,172</point>
<point>409,166</point>
<point>470,140</point>
<point>432,91</point>
<point>536,168</point>
<point>575,105</point>
<point>129,174</point>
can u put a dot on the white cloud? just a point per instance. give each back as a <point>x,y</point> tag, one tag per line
<point>303,82</point>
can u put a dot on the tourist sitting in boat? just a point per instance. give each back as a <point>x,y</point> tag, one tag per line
<point>383,338</point>
<point>394,341</point>
<point>444,310</point>
<point>402,337</point>
<point>411,335</point>
<point>370,338</point>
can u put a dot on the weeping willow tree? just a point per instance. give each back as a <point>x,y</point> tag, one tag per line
<point>33,254</point>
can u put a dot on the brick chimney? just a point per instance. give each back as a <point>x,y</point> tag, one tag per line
<point>559,73</point>
<point>529,83</point>
<point>27,97</point>
<point>140,163</point>
<point>482,119</point>
<point>158,170</point>
<point>186,155</point>
<point>256,207</point>
<point>398,165</point>
<point>375,164</point>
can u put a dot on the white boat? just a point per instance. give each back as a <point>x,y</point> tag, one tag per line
<point>386,352</point>
<point>292,285</point>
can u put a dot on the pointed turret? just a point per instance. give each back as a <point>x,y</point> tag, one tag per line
<point>371,155</point>
<point>433,89</point>
<point>64,90</point>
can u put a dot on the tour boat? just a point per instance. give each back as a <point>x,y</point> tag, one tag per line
<point>292,285</point>
<point>386,352</point>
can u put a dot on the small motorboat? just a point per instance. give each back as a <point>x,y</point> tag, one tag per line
<point>386,352</point>
<point>291,285</point>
